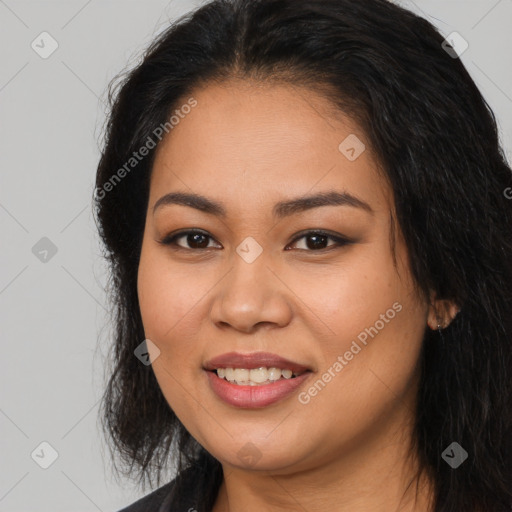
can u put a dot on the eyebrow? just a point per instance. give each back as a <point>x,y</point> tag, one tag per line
<point>280,210</point>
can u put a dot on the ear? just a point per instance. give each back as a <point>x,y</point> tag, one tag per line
<point>441,312</point>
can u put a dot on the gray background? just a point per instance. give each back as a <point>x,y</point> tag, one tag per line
<point>51,114</point>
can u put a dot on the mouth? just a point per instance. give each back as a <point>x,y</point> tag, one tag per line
<point>255,395</point>
<point>254,380</point>
<point>261,376</point>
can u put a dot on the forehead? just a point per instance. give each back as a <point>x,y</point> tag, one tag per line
<point>266,140</point>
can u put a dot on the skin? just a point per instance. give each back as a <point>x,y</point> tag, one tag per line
<point>249,146</point>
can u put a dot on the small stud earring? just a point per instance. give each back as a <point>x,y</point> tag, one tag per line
<point>439,327</point>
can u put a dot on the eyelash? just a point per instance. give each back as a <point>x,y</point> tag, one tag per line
<point>170,240</point>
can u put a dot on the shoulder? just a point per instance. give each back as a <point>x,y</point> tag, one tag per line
<point>153,501</point>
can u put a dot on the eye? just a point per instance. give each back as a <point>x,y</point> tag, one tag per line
<point>196,240</point>
<point>319,238</point>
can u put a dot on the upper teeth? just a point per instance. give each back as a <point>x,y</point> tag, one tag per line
<point>253,376</point>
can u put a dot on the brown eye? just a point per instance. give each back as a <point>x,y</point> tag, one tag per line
<point>196,240</point>
<point>318,240</point>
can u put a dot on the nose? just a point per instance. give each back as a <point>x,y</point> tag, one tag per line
<point>251,295</point>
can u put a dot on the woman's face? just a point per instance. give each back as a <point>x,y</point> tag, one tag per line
<point>253,282</point>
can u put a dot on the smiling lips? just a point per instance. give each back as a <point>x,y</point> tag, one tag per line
<point>254,380</point>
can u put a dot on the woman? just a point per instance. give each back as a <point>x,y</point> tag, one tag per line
<point>303,207</point>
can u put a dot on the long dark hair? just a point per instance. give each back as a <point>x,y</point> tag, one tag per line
<point>437,141</point>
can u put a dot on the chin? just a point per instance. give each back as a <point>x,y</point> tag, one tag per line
<point>259,456</point>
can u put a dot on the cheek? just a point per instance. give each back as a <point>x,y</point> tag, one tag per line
<point>344,299</point>
<point>168,296</point>
<point>174,304</point>
<point>168,304</point>
<point>374,322</point>
<point>359,384</point>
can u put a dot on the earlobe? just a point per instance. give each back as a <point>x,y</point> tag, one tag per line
<point>441,313</point>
